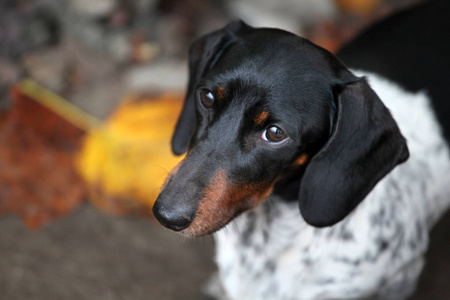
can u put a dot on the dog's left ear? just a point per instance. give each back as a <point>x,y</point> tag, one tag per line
<point>364,146</point>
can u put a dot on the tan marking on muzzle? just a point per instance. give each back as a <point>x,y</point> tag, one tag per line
<point>223,201</point>
<point>209,214</point>
<point>220,92</point>
<point>301,160</point>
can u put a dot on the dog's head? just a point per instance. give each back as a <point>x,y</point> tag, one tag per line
<point>269,112</point>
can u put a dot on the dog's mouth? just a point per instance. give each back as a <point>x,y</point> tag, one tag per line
<point>220,201</point>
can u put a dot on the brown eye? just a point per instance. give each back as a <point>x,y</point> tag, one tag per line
<point>207,98</point>
<point>273,134</point>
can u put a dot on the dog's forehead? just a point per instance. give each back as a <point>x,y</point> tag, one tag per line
<point>277,60</point>
<point>284,76</point>
<point>276,52</point>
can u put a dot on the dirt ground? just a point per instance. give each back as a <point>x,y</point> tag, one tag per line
<point>90,255</point>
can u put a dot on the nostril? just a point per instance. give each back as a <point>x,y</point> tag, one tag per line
<point>174,218</point>
<point>179,224</point>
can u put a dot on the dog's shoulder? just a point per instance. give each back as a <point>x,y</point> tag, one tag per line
<point>411,49</point>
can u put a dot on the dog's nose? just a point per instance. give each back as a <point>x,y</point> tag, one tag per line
<point>177,217</point>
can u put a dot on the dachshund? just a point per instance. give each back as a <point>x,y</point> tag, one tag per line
<point>320,181</point>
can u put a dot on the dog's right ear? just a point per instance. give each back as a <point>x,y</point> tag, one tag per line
<point>203,55</point>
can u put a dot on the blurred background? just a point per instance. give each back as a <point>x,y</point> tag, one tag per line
<point>89,95</point>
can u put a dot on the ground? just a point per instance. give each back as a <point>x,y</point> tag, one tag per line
<point>90,255</point>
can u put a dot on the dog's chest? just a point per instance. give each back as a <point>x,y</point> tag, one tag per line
<point>271,253</point>
<point>261,256</point>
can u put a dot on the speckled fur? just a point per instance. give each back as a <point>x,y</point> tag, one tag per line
<point>375,253</point>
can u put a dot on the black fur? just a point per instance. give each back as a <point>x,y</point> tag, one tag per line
<point>409,48</point>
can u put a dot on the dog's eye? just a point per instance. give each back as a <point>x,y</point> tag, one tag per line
<point>273,134</point>
<point>207,98</point>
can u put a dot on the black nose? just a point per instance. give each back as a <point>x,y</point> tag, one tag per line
<point>175,217</point>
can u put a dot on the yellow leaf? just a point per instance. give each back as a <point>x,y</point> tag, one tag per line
<point>128,158</point>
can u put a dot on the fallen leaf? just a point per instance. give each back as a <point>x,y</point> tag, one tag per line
<point>37,176</point>
<point>126,160</point>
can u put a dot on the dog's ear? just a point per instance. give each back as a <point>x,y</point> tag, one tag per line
<point>364,146</point>
<point>203,54</point>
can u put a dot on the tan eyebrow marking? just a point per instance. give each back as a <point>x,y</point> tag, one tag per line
<point>261,118</point>
<point>220,92</point>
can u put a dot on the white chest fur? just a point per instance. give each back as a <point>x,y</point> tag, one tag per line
<point>375,253</point>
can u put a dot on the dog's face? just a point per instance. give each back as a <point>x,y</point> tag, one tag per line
<point>265,111</point>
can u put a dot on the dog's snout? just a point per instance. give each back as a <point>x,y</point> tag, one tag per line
<point>175,217</point>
